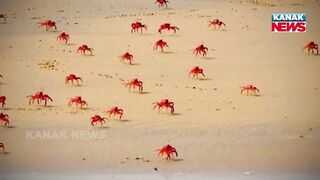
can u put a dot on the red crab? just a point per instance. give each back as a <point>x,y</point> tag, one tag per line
<point>253,90</point>
<point>2,100</point>
<point>48,24</point>
<point>160,44</point>
<point>2,146</point>
<point>216,22</point>
<point>96,118</point>
<point>72,77</point>
<point>138,25</point>
<point>126,56</point>
<point>311,46</point>
<point>162,3</point>
<point>168,150</point>
<point>168,27</point>
<point>196,71</point>
<point>164,103</point>
<point>78,100</point>
<point>63,37</point>
<point>83,48</point>
<point>5,118</point>
<point>4,17</point>
<point>114,111</point>
<point>200,49</point>
<point>39,96</point>
<point>133,83</point>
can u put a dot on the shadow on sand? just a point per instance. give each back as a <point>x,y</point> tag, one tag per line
<point>70,44</point>
<point>168,52</point>
<point>204,79</point>
<point>209,58</point>
<point>11,127</point>
<point>122,120</point>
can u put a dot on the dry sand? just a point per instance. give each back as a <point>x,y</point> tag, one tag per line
<point>215,129</point>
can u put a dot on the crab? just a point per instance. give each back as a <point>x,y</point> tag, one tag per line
<point>39,96</point>
<point>83,48</point>
<point>72,77</point>
<point>216,22</point>
<point>5,118</point>
<point>164,103</point>
<point>196,71</point>
<point>168,27</point>
<point>114,111</point>
<point>311,46</point>
<point>48,24</point>
<point>126,56</point>
<point>200,49</point>
<point>63,37</point>
<point>135,26</point>
<point>2,101</point>
<point>2,146</point>
<point>168,150</point>
<point>78,100</point>
<point>4,17</point>
<point>162,3</point>
<point>133,83</point>
<point>96,118</point>
<point>160,44</point>
<point>253,90</point>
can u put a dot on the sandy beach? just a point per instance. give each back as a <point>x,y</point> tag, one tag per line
<point>219,133</point>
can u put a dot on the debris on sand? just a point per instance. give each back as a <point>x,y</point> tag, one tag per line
<point>48,64</point>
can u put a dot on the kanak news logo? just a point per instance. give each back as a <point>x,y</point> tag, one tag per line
<point>289,22</point>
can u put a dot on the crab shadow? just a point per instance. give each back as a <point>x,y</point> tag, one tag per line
<point>122,120</point>
<point>4,22</point>
<point>176,114</point>
<point>85,109</point>
<point>75,85</point>
<point>143,92</point>
<point>222,30</point>
<point>134,64</point>
<point>49,106</point>
<point>70,44</point>
<point>85,55</point>
<point>204,79</point>
<point>257,95</point>
<point>54,31</point>
<point>145,34</point>
<point>313,54</point>
<point>169,114</point>
<point>11,127</point>
<point>174,35</point>
<point>168,52</point>
<point>5,152</point>
<point>209,58</point>
<point>102,127</point>
<point>178,160</point>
